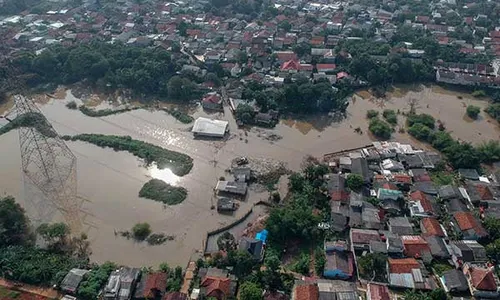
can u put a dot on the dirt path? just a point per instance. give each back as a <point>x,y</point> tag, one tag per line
<point>43,293</point>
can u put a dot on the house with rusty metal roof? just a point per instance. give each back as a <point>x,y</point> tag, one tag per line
<point>408,273</point>
<point>483,281</point>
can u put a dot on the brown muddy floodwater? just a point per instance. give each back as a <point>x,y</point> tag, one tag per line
<point>111,180</point>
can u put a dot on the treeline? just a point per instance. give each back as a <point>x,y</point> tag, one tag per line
<point>459,154</point>
<point>146,71</point>
<point>299,96</point>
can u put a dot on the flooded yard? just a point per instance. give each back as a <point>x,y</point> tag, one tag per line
<point>110,181</point>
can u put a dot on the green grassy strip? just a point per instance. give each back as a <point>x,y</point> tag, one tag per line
<point>180,164</point>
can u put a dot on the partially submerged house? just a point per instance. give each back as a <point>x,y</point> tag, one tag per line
<point>210,128</point>
<point>231,187</point>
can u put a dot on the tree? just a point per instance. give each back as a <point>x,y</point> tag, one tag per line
<point>245,113</point>
<point>141,231</point>
<point>463,155</point>
<point>489,151</point>
<point>372,266</point>
<point>494,111</point>
<point>285,25</point>
<point>180,88</point>
<point>473,112</point>
<point>442,140</point>
<point>226,242</point>
<point>424,119</point>
<point>355,182</point>
<point>250,291</point>
<point>420,132</point>
<point>370,114</point>
<point>390,116</point>
<point>14,225</point>
<point>380,128</point>
<point>493,250</point>
<point>242,263</point>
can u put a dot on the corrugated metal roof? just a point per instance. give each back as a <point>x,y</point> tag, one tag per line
<point>417,275</point>
<point>402,280</point>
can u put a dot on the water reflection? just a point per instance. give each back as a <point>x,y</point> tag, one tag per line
<point>163,174</point>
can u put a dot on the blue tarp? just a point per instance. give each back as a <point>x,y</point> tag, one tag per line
<point>262,236</point>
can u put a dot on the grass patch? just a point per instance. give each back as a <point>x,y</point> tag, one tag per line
<point>31,119</point>
<point>161,191</point>
<point>179,115</point>
<point>104,112</point>
<point>7,294</point>
<point>180,163</point>
<point>442,178</point>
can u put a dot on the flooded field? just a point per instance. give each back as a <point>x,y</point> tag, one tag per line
<point>111,180</point>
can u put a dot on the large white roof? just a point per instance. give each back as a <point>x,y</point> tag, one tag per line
<point>207,126</point>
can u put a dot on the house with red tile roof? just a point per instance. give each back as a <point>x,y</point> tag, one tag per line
<point>482,280</point>
<point>294,66</point>
<point>151,286</point>
<point>431,227</point>
<point>377,292</point>
<point>175,296</point>
<point>407,273</point>
<point>212,101</point>
<point>217,283</point>
<point>470,227</point>
<point>306,291</point>
<point>415,246</point>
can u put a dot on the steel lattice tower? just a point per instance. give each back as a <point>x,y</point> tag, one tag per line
<point>49,165</point>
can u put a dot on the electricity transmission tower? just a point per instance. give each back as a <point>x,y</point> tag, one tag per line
<point>49,165</point>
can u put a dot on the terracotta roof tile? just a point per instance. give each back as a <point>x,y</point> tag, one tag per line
<point>155,281</point>
<point>432,227</point>
<point>424,201</point>
<point>341,196</point>
<point>465,221</point>
<point>307,292</point>
<point>217,287</point>
<point>415,245</point>
<point>402,266</point>
<point>378,292</point>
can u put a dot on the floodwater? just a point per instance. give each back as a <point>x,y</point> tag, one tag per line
<point>110,181</point>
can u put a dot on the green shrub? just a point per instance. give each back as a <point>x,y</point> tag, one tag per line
<point>72,105</point>
<point>478,93</point>
<point>370,114</point>
<point>355,182</point>
<point>161,191</point>
<point>424,119</point>
<point>494,111</point>
<point>141,231</point>
<point>473,111</point>
<point>390,116</point>
<point>180,116</point>
<point>104,112</point>
<point>380,128</point>
<point>420,132</point>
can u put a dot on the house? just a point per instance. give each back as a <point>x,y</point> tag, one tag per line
<point>482,280</point>
<point>467,251</point>
<point>212,101</point>
<point>438,247</point>
<point>407,273</point>
<point>151,286</point>
<point>72,280</point>
<point>359,166</point>
<point>254,247</point>
<point>210,128</point>
<point>360,238</point>
<point>469,226</point>
<point>337,188</point>
<point>426,186</point>
<point>431,227</point>
<point>415,246</point>
<point>305,291</point>
<point>377,292</point>
<point>217,283</point>
<point>226,205</point>
<point>120,284</point>
<point>400,226</point>
<point>447,192</point>
<point>395,247</point>
<point>339,262</point>
<point>470,174</point>
<point>231,187</point>
<point>419,175</point>
<point>242,174</point>
<point>336,289</point>
<point>325,67</point>
<point>265,119</point>
<point>454,281</point>
<point>420,205</point>
<point>389,194</point>
<point>275,295</point>
<point>175,296</point>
